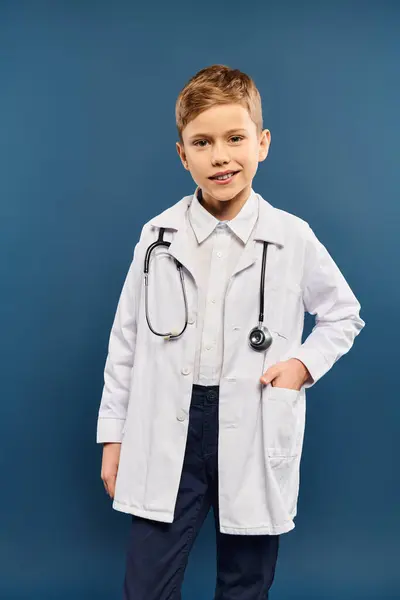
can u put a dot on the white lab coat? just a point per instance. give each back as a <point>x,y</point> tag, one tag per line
<point>148,380</point>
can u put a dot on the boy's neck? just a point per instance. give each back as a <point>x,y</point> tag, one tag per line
<point>224,210</point>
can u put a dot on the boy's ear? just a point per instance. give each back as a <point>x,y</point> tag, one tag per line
<point>181,154</point>
<point>265,143</point>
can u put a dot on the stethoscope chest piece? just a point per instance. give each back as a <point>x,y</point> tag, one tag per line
<point>260,338</point>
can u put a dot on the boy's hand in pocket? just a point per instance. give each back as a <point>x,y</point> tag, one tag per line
<point>290,374</point>
<point>109,466</point>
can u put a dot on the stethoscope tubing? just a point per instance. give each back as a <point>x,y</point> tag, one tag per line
<point>259,337</point>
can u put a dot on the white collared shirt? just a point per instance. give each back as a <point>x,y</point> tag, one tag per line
<point>218,245</point>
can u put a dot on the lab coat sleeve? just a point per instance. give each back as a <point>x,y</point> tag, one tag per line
<point>119,361</point>
<point>327,295</point>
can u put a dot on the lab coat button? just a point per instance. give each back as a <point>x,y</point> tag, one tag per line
<point>185,370</point>
<point>181,416</point>
<point>191,320</point>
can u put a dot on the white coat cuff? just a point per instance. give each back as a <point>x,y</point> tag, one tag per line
<point>109,430</point>
<point>314,361</point>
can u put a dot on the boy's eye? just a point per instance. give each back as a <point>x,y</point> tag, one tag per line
<point>239,137</point>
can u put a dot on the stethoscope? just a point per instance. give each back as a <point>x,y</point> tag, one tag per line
<point>260,338</point>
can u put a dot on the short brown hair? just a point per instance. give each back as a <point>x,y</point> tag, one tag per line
<point>217,84</point>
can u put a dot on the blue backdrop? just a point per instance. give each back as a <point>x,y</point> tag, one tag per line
<point>87,155</point>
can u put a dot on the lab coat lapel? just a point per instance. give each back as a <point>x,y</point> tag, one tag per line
<point>180,248</point>
<point>267,229</point>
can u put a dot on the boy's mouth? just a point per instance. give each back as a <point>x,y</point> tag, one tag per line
<point>227,177</point>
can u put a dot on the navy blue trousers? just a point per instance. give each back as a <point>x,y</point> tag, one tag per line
<point>158,552</point>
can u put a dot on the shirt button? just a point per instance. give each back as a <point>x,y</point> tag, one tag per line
<point>219,254</point>
<point>208,347</point>
<point>213,300</point>
<point>185,370</point>
<point>191,320</point>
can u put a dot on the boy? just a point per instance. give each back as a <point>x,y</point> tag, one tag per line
<point>204,399</point>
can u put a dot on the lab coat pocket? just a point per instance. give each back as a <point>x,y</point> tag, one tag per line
<point>281,411</point>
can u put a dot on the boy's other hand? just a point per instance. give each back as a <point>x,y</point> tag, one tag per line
<point>290,373</point>
<point>109,466</point>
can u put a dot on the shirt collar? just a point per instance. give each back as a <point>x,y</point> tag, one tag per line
<point>204,223</point>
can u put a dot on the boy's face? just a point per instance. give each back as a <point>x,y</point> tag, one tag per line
<point>223,138</point>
